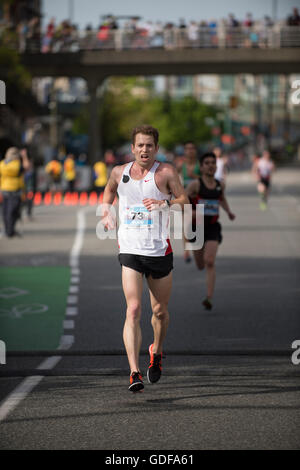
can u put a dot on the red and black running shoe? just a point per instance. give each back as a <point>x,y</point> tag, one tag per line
<point>155,367</point>
<point>136,382</point>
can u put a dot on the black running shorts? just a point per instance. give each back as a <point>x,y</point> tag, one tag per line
<point>156,266</point>
<point>211,232</point>
<point>265,182</point>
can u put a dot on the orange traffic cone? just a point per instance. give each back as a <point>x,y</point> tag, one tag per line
<point>67,199</point>
<point>37,199</point>
<point>48,198</point>
<point>57,199</point>
<point>74,199</point>
<point>93,198</point>
<point>83,200</point>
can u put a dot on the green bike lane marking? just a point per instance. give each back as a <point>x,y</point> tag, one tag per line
<point>32,306</point>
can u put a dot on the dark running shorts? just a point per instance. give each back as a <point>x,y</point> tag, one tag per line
<point>156,266</point>
<point>265,181</point>
<point>212,232</point>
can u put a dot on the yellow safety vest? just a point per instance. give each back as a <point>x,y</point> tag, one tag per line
<point>100,170</point>
<point>10,175</point>
<point>69,169</point>
<point>54,168</point>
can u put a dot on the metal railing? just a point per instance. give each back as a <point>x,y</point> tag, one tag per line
<point>169,38</point>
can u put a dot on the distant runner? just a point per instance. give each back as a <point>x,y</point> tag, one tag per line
<point>209,191</point>
<point>189,170</point>
<point>263,169</point>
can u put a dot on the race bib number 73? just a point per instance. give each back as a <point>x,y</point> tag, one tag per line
<point>137,217</point>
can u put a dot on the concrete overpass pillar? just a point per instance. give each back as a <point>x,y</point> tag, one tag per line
<point>257,109</point>
<point>286,119</point>
<point>95,138</point>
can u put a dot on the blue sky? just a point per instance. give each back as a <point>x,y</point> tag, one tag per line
<point>89,11</point>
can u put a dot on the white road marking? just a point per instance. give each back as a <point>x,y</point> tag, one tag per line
<point>72,299</point>
<point>75,271</point>
<point>49,363</point>
<point>73,289</point>
<point>66,342</point>
<point>18,394</point>
<point>77,246</point>
<point>28,384</point>
<point>69,324</point>
<point>72,311</point>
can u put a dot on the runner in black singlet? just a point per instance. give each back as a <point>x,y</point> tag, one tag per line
<point>189,170</point>
<point>210,192</point>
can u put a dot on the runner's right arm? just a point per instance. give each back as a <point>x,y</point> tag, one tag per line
<point>110,192</point>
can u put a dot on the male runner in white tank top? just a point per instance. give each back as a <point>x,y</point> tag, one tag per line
<point>263,169</point>
<point>145,188</point>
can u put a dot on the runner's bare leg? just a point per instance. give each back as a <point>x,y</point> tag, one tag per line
<point>132,282</point>
<point>160,291</point>
<point>210,253</point>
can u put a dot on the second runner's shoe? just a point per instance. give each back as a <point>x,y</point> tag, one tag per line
<point>155,368</point>
<point>207,304</point>
<point>136,382</point>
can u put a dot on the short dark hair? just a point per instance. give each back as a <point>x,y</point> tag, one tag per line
<point>189,142</point>
<point>207,155</point>
<point>146,130</point>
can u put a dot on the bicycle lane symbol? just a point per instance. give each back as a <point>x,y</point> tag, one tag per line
<point>17,311</point>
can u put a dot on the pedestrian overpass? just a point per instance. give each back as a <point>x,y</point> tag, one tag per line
<point>96,65</point>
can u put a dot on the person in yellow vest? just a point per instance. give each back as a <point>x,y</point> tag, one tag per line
<point>54,172</point>
<point>11,170</point>
<point>100,176</point>
<point>70,172</point>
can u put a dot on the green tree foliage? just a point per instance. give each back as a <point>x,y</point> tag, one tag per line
<point>13,72</point>
<point>130,102</point>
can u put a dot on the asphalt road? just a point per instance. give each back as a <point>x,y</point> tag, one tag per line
<point>228,380</point>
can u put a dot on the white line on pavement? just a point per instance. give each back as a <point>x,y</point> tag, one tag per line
<point>73,289</point>
<point>28,384</point>
<point>72,311</point>
<point>69,324</point>
<point>72,299</point>
<point>18,394</point>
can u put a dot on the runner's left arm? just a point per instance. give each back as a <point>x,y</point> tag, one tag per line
<point>224,204</point>
<point>175,187</point>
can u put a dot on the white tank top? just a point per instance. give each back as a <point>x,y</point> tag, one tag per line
<point>142,232</point>
<point>219,174</point>
<point>265,168</point>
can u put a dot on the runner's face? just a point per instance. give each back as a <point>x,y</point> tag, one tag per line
<point>209,166</point>
<point>144,150</point>
<point>190,150</point>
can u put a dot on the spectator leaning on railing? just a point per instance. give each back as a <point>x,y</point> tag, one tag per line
<point>226,32</point>
<point>294,19</point>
